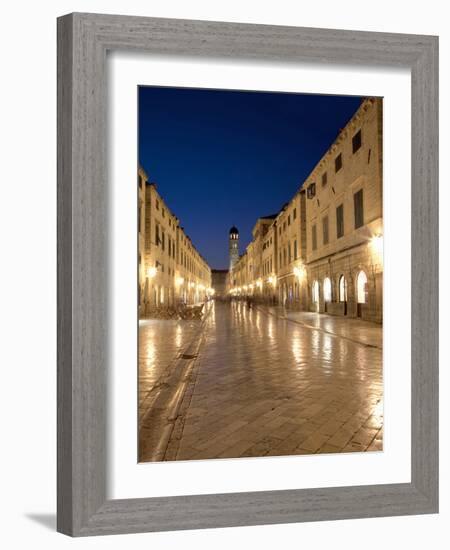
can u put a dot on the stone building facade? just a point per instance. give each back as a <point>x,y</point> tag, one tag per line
<point>269,263</point>
<point>171,270</point>
<point>344,220</point>
<point>219,283</point>
<point>291,252</point>
<point>323,250</point>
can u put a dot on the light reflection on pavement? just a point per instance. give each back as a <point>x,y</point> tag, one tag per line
<point>264,385</point>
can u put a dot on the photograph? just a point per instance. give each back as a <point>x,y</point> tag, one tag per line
<point>259,269</point>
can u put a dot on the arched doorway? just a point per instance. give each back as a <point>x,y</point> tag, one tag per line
<point>326,291</point>
<point>315,294</point>
<point>343,292</point>
<point>361,292</point>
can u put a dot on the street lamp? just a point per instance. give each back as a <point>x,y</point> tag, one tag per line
<point>179,281</point>
<point>151,272</point>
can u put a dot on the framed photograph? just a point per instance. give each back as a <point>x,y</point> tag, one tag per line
<point>247,274</point>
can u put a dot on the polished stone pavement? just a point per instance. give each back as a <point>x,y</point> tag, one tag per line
<point>266,382</point>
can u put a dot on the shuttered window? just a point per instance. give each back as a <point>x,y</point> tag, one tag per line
<point>340,221</point>
<point>359,208</point>
<point>325,230</point>
<point>356,141</point>
<point>314,237</point>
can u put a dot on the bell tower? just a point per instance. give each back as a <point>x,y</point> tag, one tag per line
<point>233,246</point>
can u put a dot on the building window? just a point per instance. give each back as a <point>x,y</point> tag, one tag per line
<point>359,208</point>
<point>325,230</point>
<point>157,234</point>
<point>157,204</point>
<point>314,237</point>
<point>324,179</point>
<point>338,163</point>
<point>311,190</point>
<point>340,221</point>
<point>295,249</point>
<point>140,181</point>
<point>289,219</point>
<point>289,253</point>
<point>356,141</point>
<point>342,289</point>
<point>361,288</point>
<point>163,213</point>
<point>327,289</point>
<point>163,242</point>
<point>294,214</point>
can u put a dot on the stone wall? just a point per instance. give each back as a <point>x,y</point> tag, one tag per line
<point>171,270</point>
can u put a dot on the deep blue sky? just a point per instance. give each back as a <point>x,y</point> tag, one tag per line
<point>223,158</point>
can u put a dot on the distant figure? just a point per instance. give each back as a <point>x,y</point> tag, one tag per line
<point>249,302</point>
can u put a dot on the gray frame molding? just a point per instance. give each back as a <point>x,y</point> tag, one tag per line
<point>83,40</point>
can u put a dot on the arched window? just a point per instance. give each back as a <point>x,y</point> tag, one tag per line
<point>327,289</point>
<point>361,287</point>
<point>315,292</point>
<point>342,289</point>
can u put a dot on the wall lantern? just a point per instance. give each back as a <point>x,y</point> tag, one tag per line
<point>300,272</point>
<point>376,244</point>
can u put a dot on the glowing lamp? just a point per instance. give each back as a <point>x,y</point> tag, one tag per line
<point>299,272</point>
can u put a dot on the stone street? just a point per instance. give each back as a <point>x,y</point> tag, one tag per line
<point>259,381</point>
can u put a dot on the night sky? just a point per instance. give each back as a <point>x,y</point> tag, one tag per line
<point>223,158</point>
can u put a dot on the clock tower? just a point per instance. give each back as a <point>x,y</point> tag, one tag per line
<point>233,246</point>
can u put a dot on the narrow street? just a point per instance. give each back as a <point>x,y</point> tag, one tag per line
<point>259,382</point>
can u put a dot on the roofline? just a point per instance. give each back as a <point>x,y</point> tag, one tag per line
<point>365,104</point>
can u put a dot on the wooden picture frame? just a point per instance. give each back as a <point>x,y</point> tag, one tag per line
<point>83,41</point>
